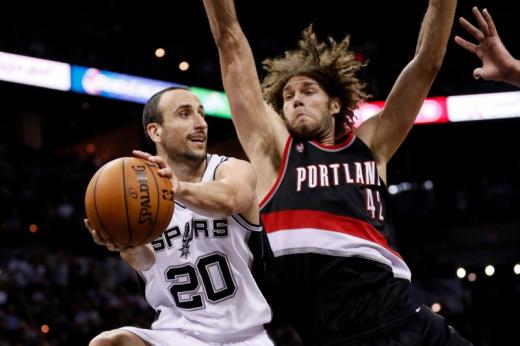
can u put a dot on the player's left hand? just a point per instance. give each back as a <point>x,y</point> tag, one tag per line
<point>103,241</point>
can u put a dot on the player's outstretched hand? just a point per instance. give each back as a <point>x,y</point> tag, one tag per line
<point>496,59</point>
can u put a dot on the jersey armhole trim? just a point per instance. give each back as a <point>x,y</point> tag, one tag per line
<point>222,160</point>
<point>281,173</point>
<point>246,224</point>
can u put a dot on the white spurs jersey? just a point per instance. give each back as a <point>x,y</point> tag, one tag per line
<point>202,282</point>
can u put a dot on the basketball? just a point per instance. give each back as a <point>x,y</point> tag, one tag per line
<point>128,202</point>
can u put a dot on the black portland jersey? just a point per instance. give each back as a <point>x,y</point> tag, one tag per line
<point>329,230</point>
<point>331,200</point>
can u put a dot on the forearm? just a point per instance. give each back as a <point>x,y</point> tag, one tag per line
<point>140,258</point>
<point>434,33</point>
<point>252,122</point>
<point>211,198</point>
<point>387,131</point>
<point>222,19</point>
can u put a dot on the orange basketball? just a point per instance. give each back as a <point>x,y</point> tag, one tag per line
<point>128,202</point>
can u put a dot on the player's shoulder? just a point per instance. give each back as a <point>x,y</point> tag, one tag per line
<point>229,161</point>
<point>231,166</point>
<point>217,159</point>
<point>235,163</point>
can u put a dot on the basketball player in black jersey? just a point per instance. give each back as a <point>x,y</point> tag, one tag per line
<point>322,181</point>
<point>497,63</point>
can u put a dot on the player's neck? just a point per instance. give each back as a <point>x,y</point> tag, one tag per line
<point>188,170</point>
<point>328,138</point>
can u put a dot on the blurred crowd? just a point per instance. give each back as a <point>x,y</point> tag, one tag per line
<point>60,299</point>
<point>56,287</point>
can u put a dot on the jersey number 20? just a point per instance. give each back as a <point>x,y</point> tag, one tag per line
<point>217,281</point>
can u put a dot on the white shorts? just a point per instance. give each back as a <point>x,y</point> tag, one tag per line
<point>161,337</point>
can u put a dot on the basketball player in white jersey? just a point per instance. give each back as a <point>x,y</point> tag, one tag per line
<point>199,273</point>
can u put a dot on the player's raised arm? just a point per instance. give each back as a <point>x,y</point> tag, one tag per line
<point>260,130</point>
<point>385,132</point>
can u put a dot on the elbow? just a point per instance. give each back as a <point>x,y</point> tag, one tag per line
<point>235,205</point>
<point>429,64</point>
<point>431,70</point>
<point>232,206</point>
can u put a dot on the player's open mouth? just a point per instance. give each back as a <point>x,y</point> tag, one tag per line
<point>197,138</point>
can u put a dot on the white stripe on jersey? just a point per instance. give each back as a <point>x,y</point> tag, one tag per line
<point>207,288</point>
<point>325,242</point>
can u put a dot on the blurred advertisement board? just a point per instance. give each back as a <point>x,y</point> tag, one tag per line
<point>32,71</point>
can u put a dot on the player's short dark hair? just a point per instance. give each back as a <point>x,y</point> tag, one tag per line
<point>151,113</point>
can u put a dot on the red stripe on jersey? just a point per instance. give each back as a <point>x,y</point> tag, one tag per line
<point>299,219</point>
<point>281,171</point>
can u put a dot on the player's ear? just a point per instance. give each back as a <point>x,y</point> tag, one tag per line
<point>335,105</point>
<point>154,131</point>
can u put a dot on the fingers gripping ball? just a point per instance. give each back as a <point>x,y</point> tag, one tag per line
<point>128,202</point>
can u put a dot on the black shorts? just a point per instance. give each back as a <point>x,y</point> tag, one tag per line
<point>424,328</point>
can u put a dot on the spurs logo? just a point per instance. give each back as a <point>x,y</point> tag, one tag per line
<point>186,239</point>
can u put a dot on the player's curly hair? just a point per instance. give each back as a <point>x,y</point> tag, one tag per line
<point>330,63</point>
